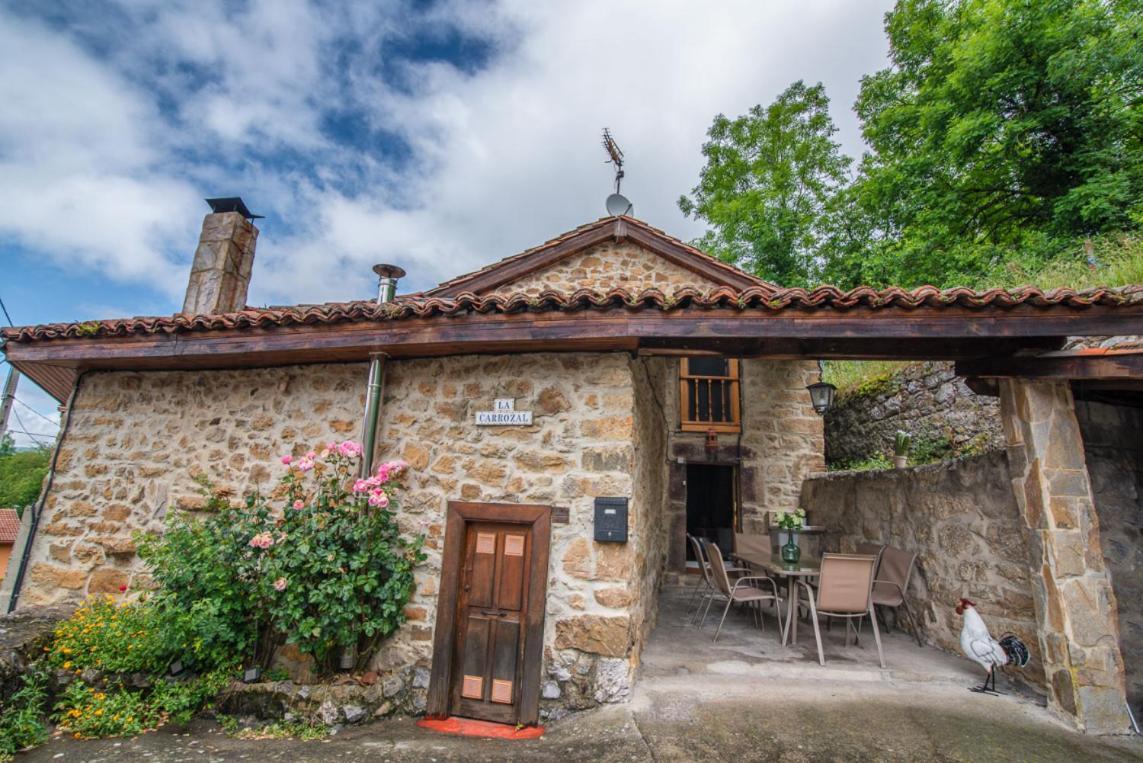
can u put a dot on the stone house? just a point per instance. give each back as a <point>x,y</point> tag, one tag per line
<point>569,413</point>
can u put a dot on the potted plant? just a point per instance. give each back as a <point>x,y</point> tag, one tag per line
<point>901,449</point>
<point>791,522</point>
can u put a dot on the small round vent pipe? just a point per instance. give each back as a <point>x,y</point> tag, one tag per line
<point>387,276</point>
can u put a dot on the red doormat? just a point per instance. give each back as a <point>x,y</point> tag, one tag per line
<point>467,727</point>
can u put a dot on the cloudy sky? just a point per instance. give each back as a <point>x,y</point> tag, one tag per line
<point>439,136</point>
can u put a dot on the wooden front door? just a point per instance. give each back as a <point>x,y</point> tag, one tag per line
<point>490,621</point>
<point>488,643</point>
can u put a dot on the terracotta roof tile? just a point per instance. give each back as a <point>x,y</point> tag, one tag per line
<point>763,298</point>
<point>9,526</point>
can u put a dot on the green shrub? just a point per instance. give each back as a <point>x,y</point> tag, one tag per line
<point>930,447</point>
<point>320,563</point>
<point>22,716</point>
<point>874,462</point>
<point>88,712</point>
<point>114,636</point>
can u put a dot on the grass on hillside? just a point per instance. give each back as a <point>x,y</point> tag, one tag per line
<point>1119,262</point>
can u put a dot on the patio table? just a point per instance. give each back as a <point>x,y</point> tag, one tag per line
<point>791,572</point>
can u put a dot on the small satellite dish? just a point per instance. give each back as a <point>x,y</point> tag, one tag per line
<point>617,204</point>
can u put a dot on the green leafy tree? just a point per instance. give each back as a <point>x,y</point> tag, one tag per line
<point>767,190</point>
<point>1000,127</point>
<point>21,474</point>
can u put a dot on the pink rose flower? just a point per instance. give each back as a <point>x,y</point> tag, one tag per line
<point>361,486</point>
<point>280,584</point>
<point>287,460</point>
<point>378,499</point>
<point>299,504</point>
<point>349,449</point>
<point>311,455</point>
<point>262,540</point>
<point>305,464</point>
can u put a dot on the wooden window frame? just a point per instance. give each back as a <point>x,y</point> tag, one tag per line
<point>460,513</point>
<point>733,379</point>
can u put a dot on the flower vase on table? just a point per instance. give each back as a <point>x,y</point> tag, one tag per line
<point>791,552</point>
<point>792,522</point>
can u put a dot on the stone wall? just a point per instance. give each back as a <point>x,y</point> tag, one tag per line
<point>1114,450</point>
<point>780,445</point>
<point>579,447</point>
<point>961,519</point>
<point>605,267</point>
<point>136,440</point>
<point>924,399</point>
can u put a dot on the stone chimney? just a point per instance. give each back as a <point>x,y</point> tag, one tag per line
<point>220,275</point>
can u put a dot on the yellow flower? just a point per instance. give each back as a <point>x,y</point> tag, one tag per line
<point>67,665</point>
<point>99,712</point>
<point>100,695</point>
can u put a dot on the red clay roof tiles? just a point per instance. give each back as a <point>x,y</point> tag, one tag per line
<point>761,298</point>
<point>9,526</point>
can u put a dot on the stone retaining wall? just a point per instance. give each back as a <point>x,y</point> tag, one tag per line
<point>961,519</point>
<point>925,399</point>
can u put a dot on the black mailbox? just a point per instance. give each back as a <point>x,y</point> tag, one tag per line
<point>611,520</point>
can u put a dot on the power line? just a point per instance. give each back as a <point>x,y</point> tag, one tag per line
<point>5,309</point>
<point>24,429</point>
<point>33,410</point>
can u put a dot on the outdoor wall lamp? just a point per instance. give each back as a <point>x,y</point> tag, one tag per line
<point>821,393</point>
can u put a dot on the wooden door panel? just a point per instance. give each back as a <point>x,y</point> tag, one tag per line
<point>505,656</point>
<point>477,633</point>
<point>482,568</point>
<point>510,588</point>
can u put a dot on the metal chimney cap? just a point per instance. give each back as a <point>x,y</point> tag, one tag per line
<point>389,271</point>
<point>232,204</point>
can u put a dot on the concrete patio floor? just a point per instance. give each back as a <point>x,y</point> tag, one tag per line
<point>745,698</point>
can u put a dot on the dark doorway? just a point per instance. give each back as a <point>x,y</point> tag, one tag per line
<point>711,502</point>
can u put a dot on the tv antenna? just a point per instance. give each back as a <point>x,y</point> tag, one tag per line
<point>617,203</point>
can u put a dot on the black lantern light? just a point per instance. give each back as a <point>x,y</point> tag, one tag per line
<point>821,393</point>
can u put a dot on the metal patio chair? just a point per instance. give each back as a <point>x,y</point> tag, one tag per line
<point>744,590</point>
<point>894,571</point>
<point>845,589</point>
<point>705,588</point>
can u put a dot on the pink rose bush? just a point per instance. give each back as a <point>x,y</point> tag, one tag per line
<point>319,562</point>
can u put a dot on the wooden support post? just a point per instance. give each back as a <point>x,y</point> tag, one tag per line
<point>1074,600</point>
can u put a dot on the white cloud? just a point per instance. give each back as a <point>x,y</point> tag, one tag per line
<point>118,150</point>
<point>510,156</point>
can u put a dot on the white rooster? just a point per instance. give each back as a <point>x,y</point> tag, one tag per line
<point>979,646</point>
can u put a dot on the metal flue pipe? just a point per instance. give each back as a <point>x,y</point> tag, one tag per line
<point>387,276</point>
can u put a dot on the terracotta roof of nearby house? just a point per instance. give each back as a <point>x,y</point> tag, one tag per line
<point>760,298</point>
<point>9,526</point>
<point>590,234</point>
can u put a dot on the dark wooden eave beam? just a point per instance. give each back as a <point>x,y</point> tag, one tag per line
<point>1076,366</point>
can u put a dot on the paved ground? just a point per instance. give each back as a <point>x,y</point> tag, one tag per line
<point>745,698</point>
